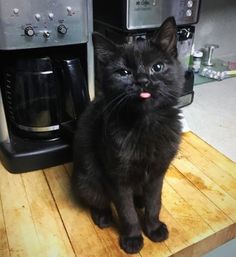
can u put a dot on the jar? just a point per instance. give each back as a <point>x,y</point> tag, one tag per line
<point>197,59</point>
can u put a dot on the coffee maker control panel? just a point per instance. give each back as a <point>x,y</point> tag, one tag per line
<point>32,24</point>
<point>143,14</point>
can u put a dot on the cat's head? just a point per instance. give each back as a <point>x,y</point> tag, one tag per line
<point>146,72</point>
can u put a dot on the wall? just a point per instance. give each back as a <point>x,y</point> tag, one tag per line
<point>217,25</point>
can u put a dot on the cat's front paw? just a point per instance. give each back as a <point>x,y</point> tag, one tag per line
<point>131,244</point>
<point>159,234</point>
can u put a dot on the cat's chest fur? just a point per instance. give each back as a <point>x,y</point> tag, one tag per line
<point>149,141</point>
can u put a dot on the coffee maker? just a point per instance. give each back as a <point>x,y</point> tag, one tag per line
<point>129,20</point>
<point>46,79</point>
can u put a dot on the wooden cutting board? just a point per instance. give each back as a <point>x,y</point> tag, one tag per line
<point>38,216</point>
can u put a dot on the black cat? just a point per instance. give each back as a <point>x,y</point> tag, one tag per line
<point>129,134</point>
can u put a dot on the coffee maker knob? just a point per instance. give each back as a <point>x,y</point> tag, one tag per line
<point>29,31</point>
<point>46,34</point>
<point>62,29</point>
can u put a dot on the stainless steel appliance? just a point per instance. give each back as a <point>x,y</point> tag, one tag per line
<point>30,24</point>
<point>46,56</point>
<point>129,15</point>
<point>128,20</point>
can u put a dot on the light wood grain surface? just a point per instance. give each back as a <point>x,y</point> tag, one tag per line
<point>38,216</point>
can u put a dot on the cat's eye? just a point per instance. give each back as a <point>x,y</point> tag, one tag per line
<point>123,72</point>
<point>158,67</point>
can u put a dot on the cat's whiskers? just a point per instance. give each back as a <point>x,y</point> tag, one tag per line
<point>169,96</point>
<point>114,107</point>
<point>124,98</point>
<point>112,101</point>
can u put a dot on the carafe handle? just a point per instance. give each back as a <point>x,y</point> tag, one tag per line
<point>73,77</point>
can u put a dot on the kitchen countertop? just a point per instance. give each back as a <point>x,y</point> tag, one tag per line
<point>212,115</point>
<point>39,218</point>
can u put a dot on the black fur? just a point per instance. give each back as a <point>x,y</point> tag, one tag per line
<point>125,142</point>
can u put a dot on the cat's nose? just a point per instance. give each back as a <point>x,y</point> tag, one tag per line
<point>143,81</point>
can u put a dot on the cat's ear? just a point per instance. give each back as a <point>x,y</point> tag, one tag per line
<point>104,48</point>
<point>166,36</point>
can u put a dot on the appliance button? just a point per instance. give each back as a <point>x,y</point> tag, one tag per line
<point>62,29</point>
<point>29,31</point>
<point>69,10</point>
<point>46,34</point>
<point>190,4</point>
<point>37,16</point>
<point>189,13</point>
<point>51,15</point>
<point>16,11</point>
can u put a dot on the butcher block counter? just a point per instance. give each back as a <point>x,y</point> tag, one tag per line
<point>38,217</point>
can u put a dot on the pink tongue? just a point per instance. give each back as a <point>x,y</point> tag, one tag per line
<point>145,95</point>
